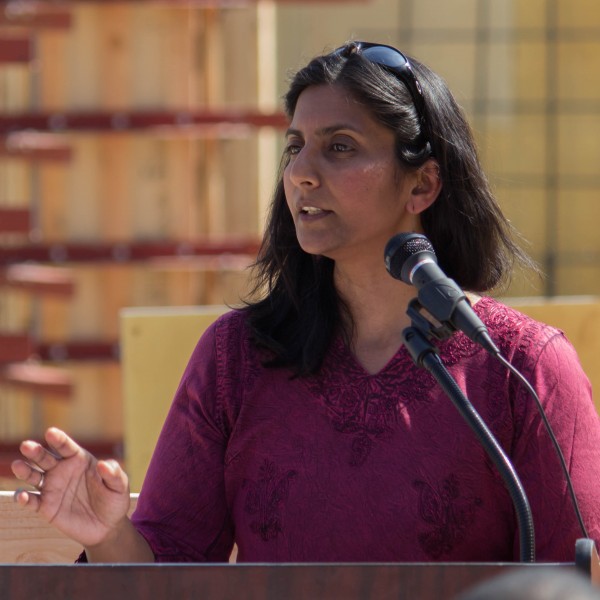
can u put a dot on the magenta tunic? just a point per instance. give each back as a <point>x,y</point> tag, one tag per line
<point>352,467</point>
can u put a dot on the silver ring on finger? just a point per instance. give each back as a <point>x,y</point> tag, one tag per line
<point>40,485</point>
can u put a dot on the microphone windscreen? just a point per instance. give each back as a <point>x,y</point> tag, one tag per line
<point>402,247</point>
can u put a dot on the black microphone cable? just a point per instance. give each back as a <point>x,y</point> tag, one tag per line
<point>406,254</point>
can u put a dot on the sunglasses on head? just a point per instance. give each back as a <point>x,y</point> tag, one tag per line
<point>393,60</point>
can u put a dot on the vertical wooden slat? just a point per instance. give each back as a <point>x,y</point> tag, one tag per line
<point>51,76</point>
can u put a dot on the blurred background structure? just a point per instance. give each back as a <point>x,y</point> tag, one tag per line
<point>139,142</point>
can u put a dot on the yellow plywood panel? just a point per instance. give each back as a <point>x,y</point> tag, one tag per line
<point>459,14</point>
<point>579,319</point>
<point>518,146</point>
<point>582,278</point>
<point>579,143</point>
<point>530,14</point>
<point>577,13</point>
<point>156,345</point>
<point>526,208</point>
<point>578,218</point>
<point>529,62</point>
<point>579,61</point>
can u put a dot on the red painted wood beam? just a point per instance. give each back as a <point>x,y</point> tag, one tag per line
<point>38,378</point>
<point>15,347</point>
<point>38,279</point>
<point>99,121</point>
<point>15,49</point>
<point>15,220</point>
<point>77,350</point>
<point>35,146</point>
<point>18,348</point>
<point>125,252</point>
<point>35,15</point>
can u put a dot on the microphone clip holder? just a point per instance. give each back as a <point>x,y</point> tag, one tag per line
<point>442,331</point>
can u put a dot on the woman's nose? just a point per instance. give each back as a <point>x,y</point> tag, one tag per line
<point>303,168</point>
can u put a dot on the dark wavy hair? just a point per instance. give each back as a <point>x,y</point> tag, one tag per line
<point>298,309</point>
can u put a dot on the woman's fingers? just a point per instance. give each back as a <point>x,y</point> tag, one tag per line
<point>27,499</point>
<point>61,445</point>
<point>37,455</point>
<point>39,460</point>
<point>113,476</point>
<point>28,473</point>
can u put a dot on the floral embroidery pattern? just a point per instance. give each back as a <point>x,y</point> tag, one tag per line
<point>367,407</point>
<point>448,515</point>
<point>265,499</point>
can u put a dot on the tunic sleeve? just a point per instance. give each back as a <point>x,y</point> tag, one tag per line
<point>554,371</point>
<point>182,510</point>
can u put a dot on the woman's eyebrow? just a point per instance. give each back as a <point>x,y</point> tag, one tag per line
<point>327,130</point>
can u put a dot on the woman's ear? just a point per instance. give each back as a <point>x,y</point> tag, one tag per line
<point>427,187</point>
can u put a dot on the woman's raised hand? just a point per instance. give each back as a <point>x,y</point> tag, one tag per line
<point>85,498</point>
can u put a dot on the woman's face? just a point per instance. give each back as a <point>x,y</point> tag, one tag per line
<point>342,183</point>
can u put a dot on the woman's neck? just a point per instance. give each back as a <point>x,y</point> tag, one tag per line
<point>377,304</point>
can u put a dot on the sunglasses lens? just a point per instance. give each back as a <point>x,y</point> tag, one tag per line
<point>393,59</point>
<point>385,56</point>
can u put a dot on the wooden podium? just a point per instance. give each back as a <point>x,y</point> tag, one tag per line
<point>376,581</point>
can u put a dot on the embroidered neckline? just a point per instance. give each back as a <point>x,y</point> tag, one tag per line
<point>455,348</point>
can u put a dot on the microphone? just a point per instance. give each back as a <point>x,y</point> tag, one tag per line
<point>410,257</point>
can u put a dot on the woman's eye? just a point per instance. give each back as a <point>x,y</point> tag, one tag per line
<point>339,147</point>
<point>292,148</point>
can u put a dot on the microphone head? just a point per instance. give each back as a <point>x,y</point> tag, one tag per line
<point>403,251</point>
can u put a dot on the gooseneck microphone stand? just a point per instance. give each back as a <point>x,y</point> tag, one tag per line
<point>424,354</point>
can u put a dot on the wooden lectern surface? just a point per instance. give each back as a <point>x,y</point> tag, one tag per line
<point>249,582</point>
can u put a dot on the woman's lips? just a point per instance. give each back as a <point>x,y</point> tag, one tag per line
<point>311,213</point>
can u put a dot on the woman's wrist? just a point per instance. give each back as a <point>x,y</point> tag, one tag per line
<point>123,544</point>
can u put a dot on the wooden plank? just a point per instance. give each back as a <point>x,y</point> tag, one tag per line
<point>25,537</point>
<point>115,71</point>
<point>38,279</point>
<point>34,146</point>
<point>37,378</point>
<point>53,58</point>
